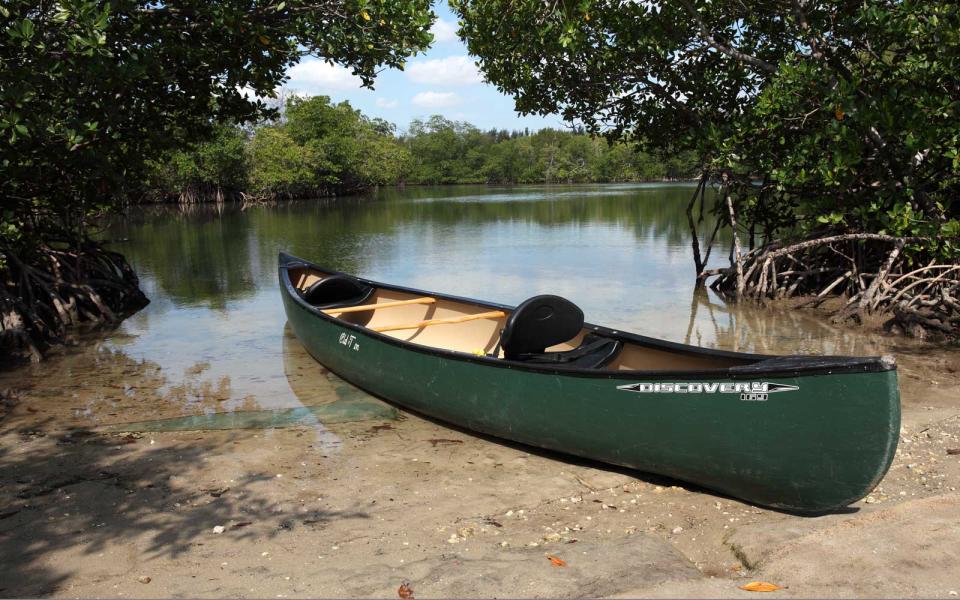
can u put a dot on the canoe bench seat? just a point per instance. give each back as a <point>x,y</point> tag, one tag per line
<point>545,321</point>
<point>594,352</point>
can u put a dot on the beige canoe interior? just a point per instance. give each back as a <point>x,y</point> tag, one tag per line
<point>474,328</point>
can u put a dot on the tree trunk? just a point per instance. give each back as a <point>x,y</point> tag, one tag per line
<point>737,256</point>
<point>694,238</point>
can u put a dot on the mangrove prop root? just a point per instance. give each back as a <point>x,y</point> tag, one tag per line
<point>57,289</point>
<point>869,270</point>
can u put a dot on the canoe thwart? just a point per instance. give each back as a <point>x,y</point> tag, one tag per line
<point>496,314</point>
<point>365,307</point>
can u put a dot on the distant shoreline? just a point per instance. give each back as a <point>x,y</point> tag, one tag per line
<point>237,197</point>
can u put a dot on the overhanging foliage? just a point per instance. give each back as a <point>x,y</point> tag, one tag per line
<point>94,91</point>
<point>840,116</point>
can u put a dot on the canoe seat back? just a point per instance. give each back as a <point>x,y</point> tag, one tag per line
<point>337,291</point>
<point>537,324</point>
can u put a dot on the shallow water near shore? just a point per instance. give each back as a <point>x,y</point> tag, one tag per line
<point>221,396</point>
<point>213,338</point>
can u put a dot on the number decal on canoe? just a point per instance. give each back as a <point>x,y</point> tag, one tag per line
<point>752,391</point>
<point>350,341</point>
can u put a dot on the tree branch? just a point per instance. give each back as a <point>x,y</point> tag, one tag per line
<point>712,41</point>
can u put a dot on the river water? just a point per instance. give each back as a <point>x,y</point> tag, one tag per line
<point>214,340</point>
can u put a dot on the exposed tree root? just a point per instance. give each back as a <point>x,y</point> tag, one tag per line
<point>868,270</point>
<point>251,200</point>
<point>56,289</point>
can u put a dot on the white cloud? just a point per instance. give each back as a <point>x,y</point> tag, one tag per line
<point>316,76</point>
<point>452,70</point>
<point>436,99</point>
<point>386,102</point>
<point>443,31</point>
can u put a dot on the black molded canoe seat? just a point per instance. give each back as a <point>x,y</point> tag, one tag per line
<point>544,321</point>
<point>337,291</point>
<point>594,352</point>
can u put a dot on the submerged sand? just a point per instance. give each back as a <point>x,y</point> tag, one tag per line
<point>304,508</point>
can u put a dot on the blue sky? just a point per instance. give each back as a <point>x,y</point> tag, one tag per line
<point>443,81</point>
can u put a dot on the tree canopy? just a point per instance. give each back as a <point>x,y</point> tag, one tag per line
<point>445,151</point>
<point>846,113</point>
<point>337,150</point>
<point>92,89</point>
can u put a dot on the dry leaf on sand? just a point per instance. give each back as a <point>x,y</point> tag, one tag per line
<point>760,586</point>
<point>555,561</point>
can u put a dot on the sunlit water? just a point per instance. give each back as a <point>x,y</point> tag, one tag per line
<point>213,339</point>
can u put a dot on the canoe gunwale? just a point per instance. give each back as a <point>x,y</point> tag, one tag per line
<point>766,365</point>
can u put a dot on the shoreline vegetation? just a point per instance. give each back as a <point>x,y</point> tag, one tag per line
<point>856,278</point>
<point>898,282</point>
<point>316,148</point>
<point>67,286</point>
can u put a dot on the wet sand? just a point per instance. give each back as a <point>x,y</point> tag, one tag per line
<point>355,508</point>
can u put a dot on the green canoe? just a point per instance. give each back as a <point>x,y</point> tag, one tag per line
<point>799,433</point>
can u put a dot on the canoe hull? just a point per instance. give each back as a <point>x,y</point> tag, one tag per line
<point>815,448</point>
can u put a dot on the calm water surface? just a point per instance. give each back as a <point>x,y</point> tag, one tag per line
<point>214,338</point>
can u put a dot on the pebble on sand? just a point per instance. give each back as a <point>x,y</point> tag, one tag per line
<point>219,529</point>
<point>144,579</point>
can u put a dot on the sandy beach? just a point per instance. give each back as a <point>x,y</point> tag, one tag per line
<point>357,508</point>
